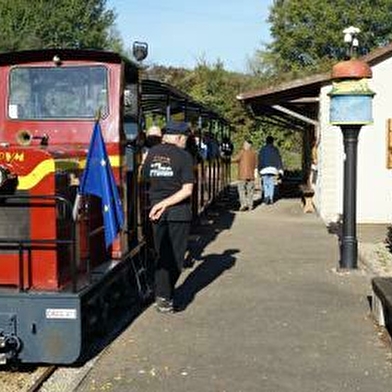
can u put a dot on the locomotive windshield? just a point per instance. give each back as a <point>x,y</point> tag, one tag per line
<point>39,93</point>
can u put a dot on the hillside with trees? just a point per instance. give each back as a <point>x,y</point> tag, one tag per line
<point>306,38</point>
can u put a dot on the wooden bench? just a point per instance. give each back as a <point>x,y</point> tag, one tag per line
<point>307,198</point>
<point>382,301</point>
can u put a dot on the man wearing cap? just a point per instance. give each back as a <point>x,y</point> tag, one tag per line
<point>169,171</point>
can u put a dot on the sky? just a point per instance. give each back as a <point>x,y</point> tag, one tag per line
<point>180,33</point>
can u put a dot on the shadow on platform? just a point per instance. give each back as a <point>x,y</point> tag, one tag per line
<point>207,268</point>
<point>211,267</point>
<point>216,218</point>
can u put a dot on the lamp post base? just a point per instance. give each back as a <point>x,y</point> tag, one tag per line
<point>348,253</point>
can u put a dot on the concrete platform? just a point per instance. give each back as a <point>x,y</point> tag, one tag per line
<point>263,309</point>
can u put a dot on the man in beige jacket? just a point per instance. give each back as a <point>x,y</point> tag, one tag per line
<point>247,163</point>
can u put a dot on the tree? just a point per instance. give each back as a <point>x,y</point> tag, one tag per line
<point>57,23</point>
<point>308,34</point>
<point>216,88</point>
<point>307,37</point>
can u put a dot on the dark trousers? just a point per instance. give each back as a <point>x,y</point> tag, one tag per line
<point>171,241</point>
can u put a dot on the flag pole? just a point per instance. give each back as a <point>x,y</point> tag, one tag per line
<point>98,114</point>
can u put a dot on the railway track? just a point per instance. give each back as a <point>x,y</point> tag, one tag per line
<point>42,378</point>
<point>24,379</point>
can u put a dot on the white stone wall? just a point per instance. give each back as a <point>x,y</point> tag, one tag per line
<point>374,179</point>
<point>330,169</point>
<point>374,187</point>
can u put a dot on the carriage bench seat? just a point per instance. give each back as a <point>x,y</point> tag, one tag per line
<point>307,198</point>
<point>382,301</point>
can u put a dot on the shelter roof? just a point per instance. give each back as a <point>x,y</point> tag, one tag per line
<point>296,103</point>
<point>159,97</point>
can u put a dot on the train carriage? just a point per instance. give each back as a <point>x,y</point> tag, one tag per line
<point>212,168</point>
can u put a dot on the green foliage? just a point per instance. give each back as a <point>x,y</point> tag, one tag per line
<point>308,34</point>
<point>215,87</point>
<point>57,23</point>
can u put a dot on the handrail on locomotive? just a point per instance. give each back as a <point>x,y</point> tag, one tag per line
<point>27,244</point>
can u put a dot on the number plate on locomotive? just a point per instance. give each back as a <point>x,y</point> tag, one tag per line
<point>69,314</point>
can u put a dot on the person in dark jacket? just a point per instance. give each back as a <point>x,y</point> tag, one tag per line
<point>270,166</point>
<point>168,168</point>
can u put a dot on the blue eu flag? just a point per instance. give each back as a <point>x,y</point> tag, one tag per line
<point>98,180</point>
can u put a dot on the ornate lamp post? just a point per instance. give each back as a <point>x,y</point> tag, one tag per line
<point>351,108</point>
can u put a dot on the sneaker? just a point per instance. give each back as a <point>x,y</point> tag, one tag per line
<point>164,305</point>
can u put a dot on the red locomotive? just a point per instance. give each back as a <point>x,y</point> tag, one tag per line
<point>56,275</point>
<point>58,279</point>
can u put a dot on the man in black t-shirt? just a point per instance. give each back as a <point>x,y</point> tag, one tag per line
<point>169,171</point>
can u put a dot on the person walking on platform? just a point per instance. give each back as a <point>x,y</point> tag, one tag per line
<point>270,166</point>
<point>247,163</point>
<point>169,171</point>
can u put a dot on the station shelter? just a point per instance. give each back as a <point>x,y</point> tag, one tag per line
<point>303,105</point>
